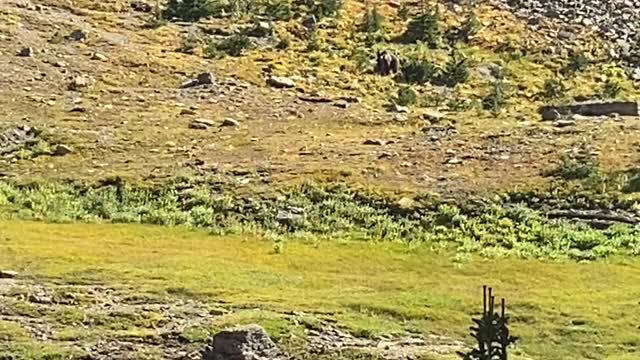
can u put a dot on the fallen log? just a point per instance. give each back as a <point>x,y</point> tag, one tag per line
<point>595,108</point>
<point>594,215</point>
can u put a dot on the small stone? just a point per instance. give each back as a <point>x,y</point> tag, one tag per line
<point>205,78</point>
<point>564,123</point>
<point>62,150</point>
<point>230,122</point>
<point>341,104</point>
<point>187,112</point>
<point>8,274</point>
<point>406,203</point>
<point>399,118</point>
<point>78,35</point>
<point>377,142</point>
<point>99,57</point>
<point>26,52</point>
<point>60,64</point>
<point>400,109</point>
<point>454,161</point>
<point>170,144</point>
<point>280,82</point>
<point>549,114</point>
<point>309,22</point>
<point>78,83</point>
<point>201,124</point>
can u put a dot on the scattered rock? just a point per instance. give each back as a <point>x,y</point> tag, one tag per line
<point>549,114</point>
<point>26,52</point>
<point>280,82</point>
<point>201,124</point>
<point>62,150</point>
<point>230,122</point>
<point>376,142</point>
<point>406,203</point>
<point>399,118</point>
<point>564,123</point>
<point>8,274</point>
<point>433,117</point>
<point>400,109</point>
<point>201,79</point>
<point>187,112</point>
<point>141,6</point>
<point>242,343</point>
<point>309,22</point>
<point>78,35</point>
<point>99,57</point>
<point>79,83</point>
<point>341,104</point>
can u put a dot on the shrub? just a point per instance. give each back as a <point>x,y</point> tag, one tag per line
<point>327,8</point>
<point>424,28</point>
<point>553,89</point>
<point>279,11</point>
<point>233,46</point>
<point>406,96</point>
<point>372,22</point>
<point>190,42</point>
<point>469,28</point>
<point>611,89</point>
<point>190,10</point>
<point>496,99</point>
<point>417,71</point>
<point>577,62</point>
<point>582,166</point>
<point>491,332</point>
<point>455,72</point>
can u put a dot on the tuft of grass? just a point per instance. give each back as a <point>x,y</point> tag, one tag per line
<point>406,96</point>
<point>234,45</point>
<point>554,89</point>
<point>497,97</point>
<point>190,10</point>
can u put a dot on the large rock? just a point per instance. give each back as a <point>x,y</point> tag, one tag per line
<point>280,82</point>
<point>242,343</point>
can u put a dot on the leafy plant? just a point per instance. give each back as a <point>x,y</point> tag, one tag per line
<point>581,166</point>
<point>424,28</point>
<point>233,45</point>
<point>611,89</point>
<point>278,10</point>
<point>190,42</point>
<point>372,22</point>
<point>417,70</point>
<point>491,332</point>
<point>578,62</point>
<point>455,72</point>
<point>406,96</point>
<point>190,10</point>
<point>496,99</point>
<point>327,8</point>
<point>554,89</point>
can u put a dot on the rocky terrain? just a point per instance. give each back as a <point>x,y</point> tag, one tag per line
<point>616,21</point>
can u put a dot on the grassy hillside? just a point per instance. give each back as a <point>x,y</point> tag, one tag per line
<point>302,191</point>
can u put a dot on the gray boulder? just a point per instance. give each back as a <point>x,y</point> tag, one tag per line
<point>242,343</point>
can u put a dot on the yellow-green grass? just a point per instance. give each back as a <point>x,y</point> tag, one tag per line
<point>368,288</point>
